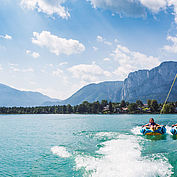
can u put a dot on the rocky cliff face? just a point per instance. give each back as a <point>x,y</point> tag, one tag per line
<point>151,84</point>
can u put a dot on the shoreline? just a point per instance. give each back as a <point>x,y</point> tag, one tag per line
<point>104,107</point>
<point>89,114</point>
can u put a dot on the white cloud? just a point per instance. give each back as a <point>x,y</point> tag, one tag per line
<point>101,39</point>
<point>33,54</point>
<point>136,8</point>
<point>52,92</point>
<point>6,36</point>
<point>56,44</point>
<point>171,48</point>
<point>13,64</point>
<point>154,5</point>
<point>89,73</point>
<point>157,5</point>
<point>27,70</point>
<point>63,63</point>
<point>95,48</point>
<point>174,4</point>
<point>131,8</point>
<point>48,7</point>
<point>15,68</point>
<point>129,61</point>
<point>107,43</point>
<point>57,72</point>
<point>106,59</point>
<point>28,51</point>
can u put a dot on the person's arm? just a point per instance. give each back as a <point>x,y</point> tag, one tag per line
<point>145,125</point>
<point>157,125</point>
<point>174,125</point>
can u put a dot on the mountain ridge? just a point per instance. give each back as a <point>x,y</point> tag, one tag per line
<point>141,84</point>
<point>94,92</point>
<point>14,97</point>
<point>152,84</point>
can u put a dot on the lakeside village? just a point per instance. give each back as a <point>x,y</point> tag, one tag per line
<point>103,107</point>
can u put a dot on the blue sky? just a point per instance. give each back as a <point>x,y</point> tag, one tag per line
<point>58,46</point>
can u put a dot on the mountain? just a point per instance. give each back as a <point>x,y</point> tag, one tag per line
<point>151,84</point>
<point>142,84</point>
<point>96,92</point>
<point>13,97</point>
<point>110,91</point>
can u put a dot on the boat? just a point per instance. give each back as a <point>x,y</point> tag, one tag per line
<point>160,130</point>
<point>174,130</point>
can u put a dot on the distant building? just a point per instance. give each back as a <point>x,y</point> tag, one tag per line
<point>146,105</point>
<point>124,109</point>
<point>106,108</point>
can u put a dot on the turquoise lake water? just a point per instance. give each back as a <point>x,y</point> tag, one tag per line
<point>85,145</point>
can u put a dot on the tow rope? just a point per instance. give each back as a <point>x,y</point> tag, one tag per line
<point>168,94</point>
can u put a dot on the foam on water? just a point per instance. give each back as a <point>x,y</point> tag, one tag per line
<point>60,151</point>
<point>136,130</point>
<point>107,135</point>
<point>168,130</point>
<point>121,157</point>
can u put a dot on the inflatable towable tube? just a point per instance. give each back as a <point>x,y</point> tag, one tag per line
<point>174,130</point>
<point>149,131</point>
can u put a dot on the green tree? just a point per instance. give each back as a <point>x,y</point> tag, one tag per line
<point>165,109</point>
<point>139,103</point>
<point>149,103</point>
<point>122,104</point>
<point>104,103</point>
<point>132,107</point>
<point>127,103</point>
<point>95,108</point>
<point>82,109</point>
<point>69,109</point>
<point>154,106</point>
<point>64,109</point>
<point>176,104</point>
<point>75,109</point>
<point>168,108</point>
<point>110,107</point>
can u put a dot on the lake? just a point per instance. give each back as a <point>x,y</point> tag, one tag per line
<point>85,145</point>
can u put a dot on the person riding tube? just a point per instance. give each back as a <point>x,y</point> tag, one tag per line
<point>152,124</point>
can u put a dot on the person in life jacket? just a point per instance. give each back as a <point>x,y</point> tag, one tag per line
<point>151,124</point>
